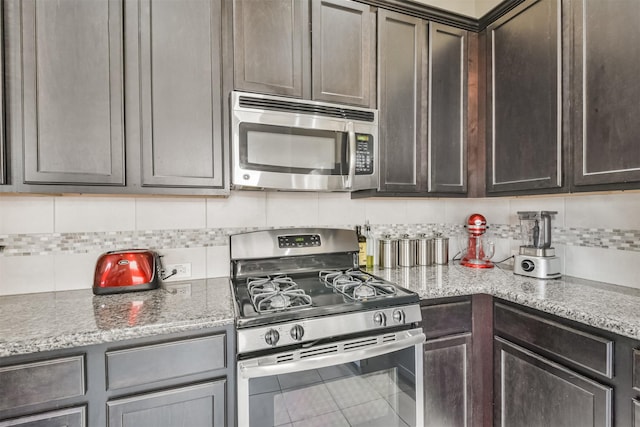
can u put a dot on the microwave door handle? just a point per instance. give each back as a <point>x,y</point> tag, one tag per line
<point>352,155</point>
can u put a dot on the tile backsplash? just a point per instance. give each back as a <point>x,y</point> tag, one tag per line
<point>52,243</point>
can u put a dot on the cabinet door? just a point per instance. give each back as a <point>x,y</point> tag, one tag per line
<point>401,50</point>
<point>271,46</point>
<point>341,43</point>
<point>606,92</point>
<point>524,115</point>
<point>180,93</point>
<point>447,381</point>
<point>197,405</point>
<point>3,155</point>
<point>71,417</point>
<point>447,110</point>
<point>72,93</point>
<point>531,390</point>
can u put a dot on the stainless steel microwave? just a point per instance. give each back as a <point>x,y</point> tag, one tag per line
<point>290,144</point>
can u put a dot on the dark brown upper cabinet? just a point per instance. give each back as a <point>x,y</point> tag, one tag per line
<point>279,45</point>
<point>343,52</point>
<point>269,41</point>
<point>68,104</point>
<point>77,71</point>
<point>524,112</point>
<point>606,91</point>
<point>447,109</point>
<point>402,71</point>
<point>178,124</point>
<point>3,148</point>
<point>422,72</point>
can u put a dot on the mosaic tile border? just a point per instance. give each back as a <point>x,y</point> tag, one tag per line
<point>78,243</point>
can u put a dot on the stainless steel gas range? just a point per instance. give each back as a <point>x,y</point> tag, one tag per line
<point>319,340</point>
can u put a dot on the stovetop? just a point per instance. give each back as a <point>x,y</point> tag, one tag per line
<point>279,298</point>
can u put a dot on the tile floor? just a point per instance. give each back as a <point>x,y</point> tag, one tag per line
<point>334,396</point>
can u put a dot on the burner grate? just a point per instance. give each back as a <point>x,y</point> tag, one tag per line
<point>270,294</point>
<point>357,285</point>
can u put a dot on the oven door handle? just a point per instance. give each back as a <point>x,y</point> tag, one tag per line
<point>352,155</point>
<point>268,365</point>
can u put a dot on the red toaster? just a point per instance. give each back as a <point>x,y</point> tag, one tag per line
<point>127,271</point>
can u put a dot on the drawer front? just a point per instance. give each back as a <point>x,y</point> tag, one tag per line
<point>70,417</point>
<point>636,370</point>
<point>194,405</point>
<point>586,350</point>
<point>446,319</point>
<point>39,382</point>
<point>158,362</point>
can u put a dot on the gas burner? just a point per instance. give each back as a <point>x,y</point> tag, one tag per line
<point>279,301</point>
<point>364,291</point>
<point>357,285</point>
<point>269,294</point>
<point>260,285</point>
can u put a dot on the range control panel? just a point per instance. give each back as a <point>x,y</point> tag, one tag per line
<point>364,154</point>
<point>299,241</point>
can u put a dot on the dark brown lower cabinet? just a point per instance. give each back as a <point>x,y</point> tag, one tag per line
<point>196,405</point>
<point>181,379</point>
<point>530,390</point>
<point>447,362</point>
<point>70,417</point>
<point>447,385</point>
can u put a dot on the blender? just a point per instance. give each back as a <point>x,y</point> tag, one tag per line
<point>536,257</point>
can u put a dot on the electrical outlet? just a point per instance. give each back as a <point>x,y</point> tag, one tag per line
<point>183,271</point>
<point>183,289</point>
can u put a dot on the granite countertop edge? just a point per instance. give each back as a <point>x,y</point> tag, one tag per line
<point>607,307</point>
<point>81,339</point>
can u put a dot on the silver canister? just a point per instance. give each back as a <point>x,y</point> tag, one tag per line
<point>441,252</point>
<point>388,251</point>
<point>425,248</point>
<point>406,251</point>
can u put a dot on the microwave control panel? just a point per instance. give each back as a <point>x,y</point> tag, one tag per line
<point>364,154</point>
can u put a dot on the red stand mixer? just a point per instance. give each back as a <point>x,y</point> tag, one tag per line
<point>478,249</point>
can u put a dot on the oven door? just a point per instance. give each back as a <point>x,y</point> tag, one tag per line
<point>375,380</point>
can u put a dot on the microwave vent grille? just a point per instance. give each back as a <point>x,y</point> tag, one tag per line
<point>302,108</point>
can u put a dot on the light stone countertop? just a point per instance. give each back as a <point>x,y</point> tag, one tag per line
<point>33,323</point>
<point>612,308</point>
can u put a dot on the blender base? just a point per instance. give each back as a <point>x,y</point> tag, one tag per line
<point>537,266</point>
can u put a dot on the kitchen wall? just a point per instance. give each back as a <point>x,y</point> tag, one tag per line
<point>52,243</point>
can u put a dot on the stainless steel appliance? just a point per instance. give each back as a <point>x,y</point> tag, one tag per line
<point>318,339</point>
<point>291,144</point>
<point>536,257</point>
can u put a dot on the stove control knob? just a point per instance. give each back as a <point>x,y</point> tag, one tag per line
<point>380,319</point>
<point>528,265</point>
<point>297,332</point>
<point>271,337</point>
<point>398,316</point>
